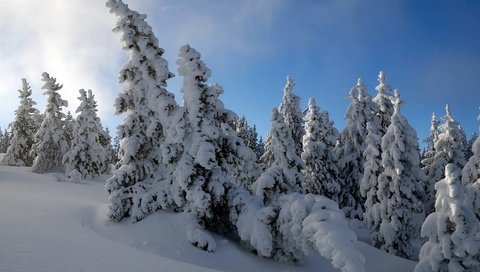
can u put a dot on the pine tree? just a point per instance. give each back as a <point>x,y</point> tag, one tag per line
<point>208,157</point>
<point>453,231</point>
<point>50,140</point>
<point>284,175</point>
<point>350,151</point>
<point>384,102</point>
<point>106,141</point>
<point>293,115</point>
<point>470,143</point>
<point>428,158</point>
<point>399,187</point>
<point>5,141</point>
<point>148,109</point>
<point>23,129</point>
<point>320,171</point>
<point>87,157</point>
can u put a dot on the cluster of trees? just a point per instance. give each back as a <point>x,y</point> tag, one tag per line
<point>55,140</point>
<point>281,198</point>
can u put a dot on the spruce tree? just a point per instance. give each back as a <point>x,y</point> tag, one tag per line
<point>453,231</point>
<point>320,170</point>
<point>23,129</point>
<point>284,175</point>
<point>399,187</point>
<point>148,108</point>
<point>292,114</point>
<point>68,127</point>
<point>351,149</point>
<point>471,170</point>
<point>50,140</point>
<point>87,157</point>
<point>427,160</point>
<point>470,144</point>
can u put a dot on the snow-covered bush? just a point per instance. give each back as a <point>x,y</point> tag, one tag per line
<point>50,141</point>
<point>453,231</point>
<point>23,130</point>
<point>320,170</point>
<point>400,187</point>
<point>148,109</point>
<point>86,158</point>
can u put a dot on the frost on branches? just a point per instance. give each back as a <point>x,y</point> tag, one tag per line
<point>285,173</point>
<point>320,170</point>
<point>427,161</point>
<point>453,231</point>
<point>23,130</point>
<point>50,141</point>
<point>207,156</point>
<point>87,157</point>
<point>351,160</point>
<point>292,114</point>
<point>400,187</point>
<point>148,108</point>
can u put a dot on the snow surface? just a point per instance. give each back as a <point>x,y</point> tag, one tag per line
<point>46,225</point>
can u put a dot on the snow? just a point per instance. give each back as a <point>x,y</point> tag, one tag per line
<point>46,225</point>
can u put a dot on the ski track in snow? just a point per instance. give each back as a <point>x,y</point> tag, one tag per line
<point>47,225</point>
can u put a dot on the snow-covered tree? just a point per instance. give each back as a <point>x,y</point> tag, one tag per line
<point>350,151</point>
<point>470,143</point>
<point>449,148</point>
<point>267,158</point>
<point>5,138</point>
<point>23,129</point>
<point>427,160</point>
<point>320,170</point>
<point>247,133</point>
<point>86,158</point>
<point>148,108</point>
<point>400,187</point>
<point>207,156</point>
<point>292,114</point>
<point>384,102</point>
<point>284,175</point>
<point>50,140</point>
<point>453,231</point>
<point>106,141</point>
<point>471,170</point>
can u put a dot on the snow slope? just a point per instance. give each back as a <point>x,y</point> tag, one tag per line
<point>47,225</point>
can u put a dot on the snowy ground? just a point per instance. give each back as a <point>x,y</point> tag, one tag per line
<point>47,225</point>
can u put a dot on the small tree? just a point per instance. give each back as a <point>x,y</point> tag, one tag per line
<point>399,187</point>
<point>68,128</point>
<point>50,140</point>
<point>23,130</point>
<point>320,171</point>
<point>87,157</point>
<point>471,171</point>
<point>292,114</point>
<point>453,231</point>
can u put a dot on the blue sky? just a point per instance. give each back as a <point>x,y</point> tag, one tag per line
<point>430,50</point>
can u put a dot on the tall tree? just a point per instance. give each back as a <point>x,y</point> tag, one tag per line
<point>427,161</point>
<point>453,231</point>
<point>86,158</point>
<point>320,171</point>
<point>400,187</point>
<point>148,108</point>
<point>293,114</point>
<point>23,129</point>
<point>50,140</point>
